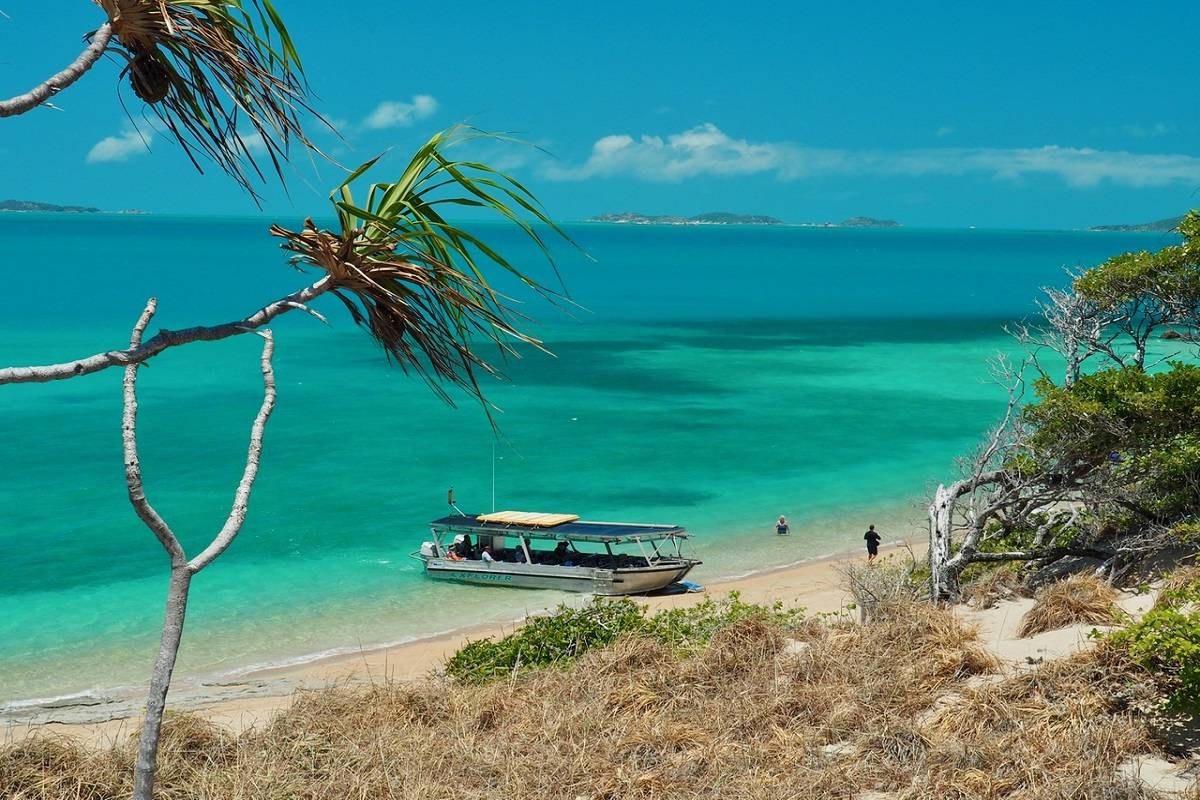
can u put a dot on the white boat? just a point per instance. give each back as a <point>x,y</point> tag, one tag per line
<point>606,558</point>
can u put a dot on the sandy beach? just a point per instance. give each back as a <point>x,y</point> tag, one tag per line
<point>250,699</point>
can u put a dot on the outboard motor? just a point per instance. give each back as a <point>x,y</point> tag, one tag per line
<point>428,550</point>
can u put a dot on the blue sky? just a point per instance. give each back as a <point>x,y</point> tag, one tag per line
<point>1021,115</point>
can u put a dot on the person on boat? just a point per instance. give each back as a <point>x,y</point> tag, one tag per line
<point>873,540</point>
<point>462,545</point>
<point>560,554</point>
<point>486,554</point>
<point>781,527</point>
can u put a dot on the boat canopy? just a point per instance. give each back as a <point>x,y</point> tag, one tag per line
<point>577,530</point>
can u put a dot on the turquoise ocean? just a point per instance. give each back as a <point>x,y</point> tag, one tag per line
<point>713,377</point>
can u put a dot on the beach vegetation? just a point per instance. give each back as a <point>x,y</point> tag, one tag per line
<point>878,587</point>
<point>727,699</point>
<point>1098,454</point>
<point>561,637</point>
<point>1077,600</point>
<point>910,706</point>
<point>1166,640</point>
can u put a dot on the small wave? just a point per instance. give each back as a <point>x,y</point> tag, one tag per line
<point>335,652</point>
<point>87,697</point>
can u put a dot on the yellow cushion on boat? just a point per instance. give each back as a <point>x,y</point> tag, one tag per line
<point>529,518</point>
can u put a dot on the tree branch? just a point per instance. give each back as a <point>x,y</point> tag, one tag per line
<point>136,354</point>
<point>56,83</point>
<point>1050,555</point>
<point>133,467</point>
<point>241,498</point>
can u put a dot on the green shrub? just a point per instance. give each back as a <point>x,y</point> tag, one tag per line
<point>561,637</point>
<point>1166,641</point>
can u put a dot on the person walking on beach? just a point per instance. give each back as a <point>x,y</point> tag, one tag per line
<point>873,540</point>
<point>781,527</point>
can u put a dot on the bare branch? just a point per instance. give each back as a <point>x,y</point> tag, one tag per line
<point>56,83</point>
<point>163,340</point>
<point>133,468</point>
<point>1049,555</point>
<point>310,311</point>
<point>241,499</point>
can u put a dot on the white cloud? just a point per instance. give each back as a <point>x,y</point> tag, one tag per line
<point>1150,131</point>
<point>254,144</point>
<point>706,150</point>
<point>1077,166</point>
<point>397,114</point>
<point>121,147</point>
<point>703,150</point>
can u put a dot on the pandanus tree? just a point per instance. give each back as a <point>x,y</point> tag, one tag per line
<point>216,72</point>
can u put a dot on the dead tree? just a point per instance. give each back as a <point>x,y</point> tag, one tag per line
<point>1072,326</point>
<point>999,493</point>
<point>182,568</point>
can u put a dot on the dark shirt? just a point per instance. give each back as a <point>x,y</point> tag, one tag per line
<point>781,528</point>
<point>872,539</point>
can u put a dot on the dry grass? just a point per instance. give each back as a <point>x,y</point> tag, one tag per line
<point>1078,600</point>
<point>991,587</point>
<point>1178,583</point>
<point>879,585</point>
<point>748,717</point>
<point>1054,732</point>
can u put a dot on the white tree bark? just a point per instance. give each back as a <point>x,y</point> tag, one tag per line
<point>56,83</point>
<point>160,682</point>
<point>165,339</point>
<point>182,570</point>
<point>940,522</point>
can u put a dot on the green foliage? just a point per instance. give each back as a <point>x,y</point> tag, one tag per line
<point>559,638</point>
<point>1166,640</point>
<point>918,576</point>
<point>1169,275</point>
<point>1135,426</point>
<point>1122,441</point>
<point>1187,533</point>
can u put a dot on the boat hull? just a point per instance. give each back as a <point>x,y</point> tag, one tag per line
<point>637,580</point>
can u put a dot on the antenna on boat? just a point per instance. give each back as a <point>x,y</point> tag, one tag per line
<point>450,501</point>
<point>493,475</point>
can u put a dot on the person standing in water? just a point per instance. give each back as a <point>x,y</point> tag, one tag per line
<point>873,540</point>
<point>781,527</point>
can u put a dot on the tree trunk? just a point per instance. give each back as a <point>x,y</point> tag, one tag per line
<point>56,83</point>
<point>941,581</point>
<point>160,681</point>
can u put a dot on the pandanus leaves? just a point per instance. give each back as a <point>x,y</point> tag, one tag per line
<point>222,76</point>
<point>415,280</point>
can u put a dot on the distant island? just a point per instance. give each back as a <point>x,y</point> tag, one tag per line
<point>855,222</point>
<point>1161,226</point>
<point>725,218</point>
<point>868,222</point>
<point>31,205</point>
<point>712,218</point>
